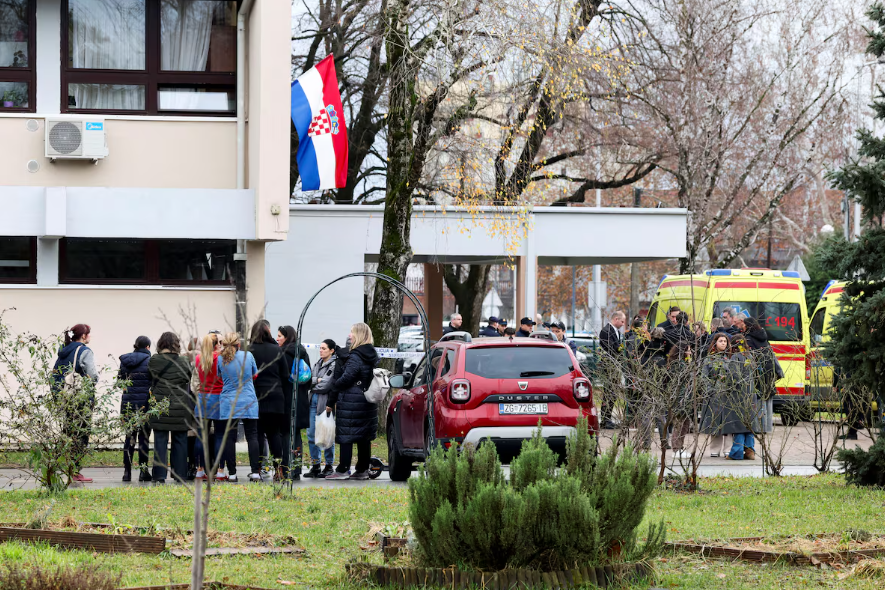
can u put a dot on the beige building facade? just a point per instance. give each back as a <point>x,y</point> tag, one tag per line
<point>180,109</point>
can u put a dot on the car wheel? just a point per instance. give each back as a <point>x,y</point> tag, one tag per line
<point>398,465</point>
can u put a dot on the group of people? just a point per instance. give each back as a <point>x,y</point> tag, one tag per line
<point>497,327</point>
<point>676,372</point>
<point>195,399</point>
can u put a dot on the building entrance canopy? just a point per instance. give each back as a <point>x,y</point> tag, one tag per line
<point>327,241</point>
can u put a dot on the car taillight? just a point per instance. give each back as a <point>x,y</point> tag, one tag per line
<point>460,391</point>
<point>582,389</point>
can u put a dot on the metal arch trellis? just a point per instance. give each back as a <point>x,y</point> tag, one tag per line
<point>426,325</point>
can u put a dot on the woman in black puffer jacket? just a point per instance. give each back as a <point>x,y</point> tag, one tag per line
<point>134,368</point>
<point>356,420</point>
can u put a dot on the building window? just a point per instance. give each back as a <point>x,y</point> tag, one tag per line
<point>18,260</point>
<point>171,57</point>
<point>98,261</point>
<point>18,86</point>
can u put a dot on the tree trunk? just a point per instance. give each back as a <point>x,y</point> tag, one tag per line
<point>469,292</point>
<point>396,248</point>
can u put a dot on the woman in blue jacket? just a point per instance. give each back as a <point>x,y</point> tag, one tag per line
<point>238,371</point>
<point>134,368</point>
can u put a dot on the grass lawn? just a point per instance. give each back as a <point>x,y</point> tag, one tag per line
<point>330,523</point>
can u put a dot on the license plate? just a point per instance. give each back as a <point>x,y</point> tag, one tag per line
<point>522,409</point>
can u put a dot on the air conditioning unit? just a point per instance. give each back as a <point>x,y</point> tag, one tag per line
<point>76,139</point>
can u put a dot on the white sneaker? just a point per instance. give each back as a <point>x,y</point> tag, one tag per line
<point>201,474</point>
<point>221,475</point>
<point>232,479</point>
<point>255,477</point>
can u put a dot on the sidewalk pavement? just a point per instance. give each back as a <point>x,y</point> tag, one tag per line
<point>796,444</point>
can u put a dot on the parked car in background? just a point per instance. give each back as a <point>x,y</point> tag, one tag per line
<point>498,389</point>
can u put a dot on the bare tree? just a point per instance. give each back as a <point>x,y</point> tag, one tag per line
<point>738,96</point>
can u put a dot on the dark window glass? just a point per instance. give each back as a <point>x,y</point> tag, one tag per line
<point>519,362</point>
<point>17,46</point>
<point>105,260</point>
<point>17,262</point>
<point>149,56</point>
<point>195,260</point>
<point>816,327</point>
<point>782,321</point>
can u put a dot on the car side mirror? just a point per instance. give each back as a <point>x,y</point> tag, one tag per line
<point>399,381</point>
<point>818,339</point>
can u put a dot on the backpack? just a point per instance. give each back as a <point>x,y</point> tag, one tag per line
<point>378,387</point>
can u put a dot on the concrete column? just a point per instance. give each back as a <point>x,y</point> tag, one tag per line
<point>530,281</point>
<point>47,262</point>
<point>433,299</point>
<point>255,294</point>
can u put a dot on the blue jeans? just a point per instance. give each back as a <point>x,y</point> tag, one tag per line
<point>314,450</point>
<point>741,440</point>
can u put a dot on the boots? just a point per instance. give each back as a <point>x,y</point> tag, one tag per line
<point>144,473</point>
<point>749,454</point>
<point>314,472</point>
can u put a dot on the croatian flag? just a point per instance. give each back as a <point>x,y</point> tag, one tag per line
<point>322,135</point>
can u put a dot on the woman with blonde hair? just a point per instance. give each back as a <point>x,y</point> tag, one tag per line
<point>209,386</point>
<point>356,419</point>
<point>238,401</point>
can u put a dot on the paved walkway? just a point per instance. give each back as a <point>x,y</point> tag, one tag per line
<point>796,445</point>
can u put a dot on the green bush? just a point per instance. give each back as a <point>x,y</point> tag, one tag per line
<point>463,511</point>
<point>864,468</point>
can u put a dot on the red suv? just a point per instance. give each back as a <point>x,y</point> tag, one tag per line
<point>488,388</point>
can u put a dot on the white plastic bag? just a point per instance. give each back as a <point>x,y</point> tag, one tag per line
<point>324,432</point>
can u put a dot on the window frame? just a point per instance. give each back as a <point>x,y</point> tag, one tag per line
<point>151,267</point>
<point>31,279</point>
<point>152,77</point>
<point>28,74</point>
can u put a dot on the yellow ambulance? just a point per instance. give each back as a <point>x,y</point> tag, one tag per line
<point>820,380</point>
<point>776,298</point>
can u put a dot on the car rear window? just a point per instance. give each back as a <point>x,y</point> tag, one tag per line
<point>518,362</point>
<point>782,321</point>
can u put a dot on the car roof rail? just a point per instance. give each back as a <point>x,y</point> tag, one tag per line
<point>544,335</point>
<point>460,336</point>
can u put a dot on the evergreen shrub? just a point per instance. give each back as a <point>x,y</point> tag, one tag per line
<point>864,468</point>
<point>464,513</point>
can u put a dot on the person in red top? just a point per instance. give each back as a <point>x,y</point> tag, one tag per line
<point>210,385</point>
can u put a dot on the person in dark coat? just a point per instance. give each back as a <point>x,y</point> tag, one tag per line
<point>610,336</point>
<point>672,316</point>
<point>455,322</point>
<point>286,337</point>
<point>766,369</point>
<point>134,369</point>
<point>490,331</point>
<point>271,387</point>
<point>679,333</point>
<point>728,315</point>
<point>76,356</point>
<point>171,377</point>
<point>356,419</point>
<point>526,327</point>
<point>610,340</point>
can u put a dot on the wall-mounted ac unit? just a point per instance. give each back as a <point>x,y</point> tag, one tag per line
<point>76,139</point>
